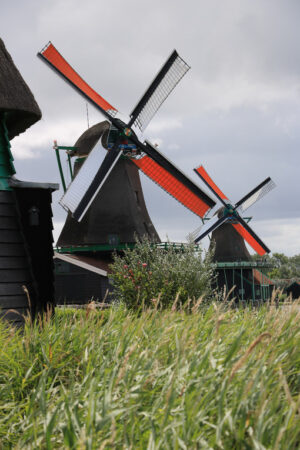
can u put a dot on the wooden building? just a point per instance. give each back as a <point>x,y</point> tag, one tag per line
<point>26,255</point>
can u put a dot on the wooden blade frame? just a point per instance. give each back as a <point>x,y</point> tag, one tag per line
<point>50,55</point>
<point>209,227</point>
<point>163,84</point>
<point>248,234</point>
<point>256,194</point>
<point>90,182</point>
<point>172,185</point>
<point>201,172</point>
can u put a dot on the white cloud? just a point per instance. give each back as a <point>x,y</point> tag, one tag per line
<point>227,93</point>
<point>29,145</point>
<point>164,124</point>
<point>280,235</point>
<point>239,106</point>
<point>58,226</point>
<point>173,146</point>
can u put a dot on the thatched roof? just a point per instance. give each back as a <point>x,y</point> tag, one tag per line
<point>16,99</point>
<point>87,141</point>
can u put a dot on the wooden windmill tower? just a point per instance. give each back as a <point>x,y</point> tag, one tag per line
<point>118,214</point>
<point>26,266</point>
<point>106,197</point>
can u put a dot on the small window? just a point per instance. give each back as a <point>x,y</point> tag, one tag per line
<point>137,197</point>
<point>146,228</point>
<point>113,239</point>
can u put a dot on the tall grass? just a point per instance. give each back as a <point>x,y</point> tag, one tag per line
<point>217,378</point>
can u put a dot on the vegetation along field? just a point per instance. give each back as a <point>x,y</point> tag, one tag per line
<point>183,369</point>
<point>213,377</point>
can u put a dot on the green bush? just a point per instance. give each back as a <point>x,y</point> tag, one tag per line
<point>149,275</point>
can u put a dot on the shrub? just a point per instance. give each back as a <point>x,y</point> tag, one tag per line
<point>148,275</point>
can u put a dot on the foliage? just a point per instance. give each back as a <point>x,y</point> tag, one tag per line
<point>219,378</point>
<point>285,267</point>
<point>149,274</point>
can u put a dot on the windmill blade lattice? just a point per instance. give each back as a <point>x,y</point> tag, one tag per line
<point>256,194</point>
<point>210,226</point>
<point>89,180</point>
<point>163,84</point>
<point>56,61</point>
<point>201,172</point>
<point>171,185</point>
<point>248,234</point>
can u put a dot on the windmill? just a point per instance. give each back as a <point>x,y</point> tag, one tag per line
<point>123,142</point>
<point>229,231</point>
<point>117,215</point>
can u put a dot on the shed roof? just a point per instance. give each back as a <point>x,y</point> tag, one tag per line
<point>260,278</point>
<point>16,99</point>
<point>85,262</point>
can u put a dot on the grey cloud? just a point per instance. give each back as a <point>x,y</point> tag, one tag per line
<point>239,105</point>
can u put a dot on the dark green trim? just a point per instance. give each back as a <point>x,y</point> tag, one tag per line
<point>244,264</point>
<point>64,147</point>
<point>107,247</point>
<point>60,170</point>
<point>70,166</point>
<point>7,168</point>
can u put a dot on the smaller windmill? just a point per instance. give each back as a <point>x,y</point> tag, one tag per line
<point>229,231</point>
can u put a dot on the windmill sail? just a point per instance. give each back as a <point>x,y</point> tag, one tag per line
<point>201,172</point>
<point>172,185</point>
<point>55,60</point>
<point>163,84</point>
<point>248,234</point>
<point>210,226</point>
<point>256,194</point>
<point>163,172</point>
<point>90,178</point>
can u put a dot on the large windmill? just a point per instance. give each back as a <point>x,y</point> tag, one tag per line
<point>118,213</point>
<point>229,233</point>
<point>124,147</point>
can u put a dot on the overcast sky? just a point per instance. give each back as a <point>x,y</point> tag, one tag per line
<point>237,111</point>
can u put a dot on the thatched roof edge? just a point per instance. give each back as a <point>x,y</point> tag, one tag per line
<point>16,99</point>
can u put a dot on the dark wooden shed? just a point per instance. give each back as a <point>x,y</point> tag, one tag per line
<point>26,254</point>
<point>293,289</point>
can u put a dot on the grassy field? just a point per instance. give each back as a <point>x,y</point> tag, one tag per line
<point>217,378</point>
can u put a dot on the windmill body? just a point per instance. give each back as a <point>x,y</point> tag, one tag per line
<point>228,244</point>
<point>118,213</point>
